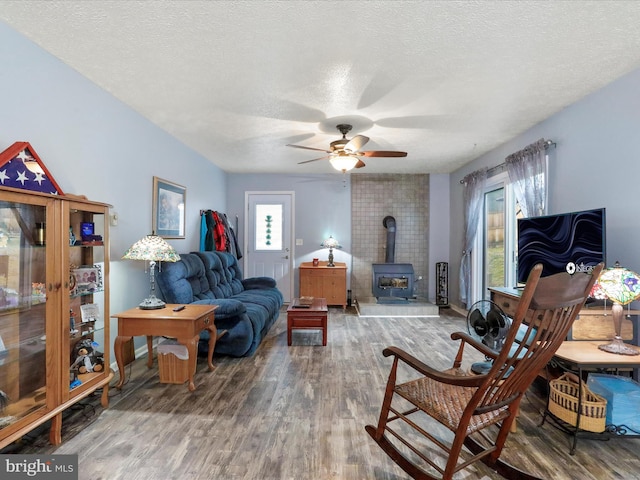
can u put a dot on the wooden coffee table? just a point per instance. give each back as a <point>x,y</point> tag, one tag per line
<point>313,317</point>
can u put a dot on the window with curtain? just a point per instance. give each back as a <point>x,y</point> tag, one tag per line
<point>518,192</point>
<point>494,259</point>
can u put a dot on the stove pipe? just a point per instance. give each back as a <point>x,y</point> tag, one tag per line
<point>390,224</point>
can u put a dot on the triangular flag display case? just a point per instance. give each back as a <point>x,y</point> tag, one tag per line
<point>21,167</point>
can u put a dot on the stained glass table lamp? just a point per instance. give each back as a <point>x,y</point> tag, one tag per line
<point>621,286</point>
<point>152,249</point>
<point>330,243</point>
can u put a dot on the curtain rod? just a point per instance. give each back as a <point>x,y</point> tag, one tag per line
<point>547,144</point>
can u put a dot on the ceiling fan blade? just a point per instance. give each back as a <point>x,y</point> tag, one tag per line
<point>356,143</point>
<point>360,164</point>
<point>382,153</point>
<point>314,159</point>
<point>309,148</point>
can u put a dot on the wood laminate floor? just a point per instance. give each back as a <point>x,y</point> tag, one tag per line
<point>298,413</point>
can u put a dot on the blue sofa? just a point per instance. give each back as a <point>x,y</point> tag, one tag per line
<point>246,308</point>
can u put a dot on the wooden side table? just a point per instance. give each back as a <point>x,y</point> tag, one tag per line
<point>185,326</point>
<point>582,356</point>
<point>310,318</point>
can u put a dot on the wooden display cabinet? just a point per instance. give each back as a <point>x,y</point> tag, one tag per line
<point>37,295</point>
<point>324,282</point>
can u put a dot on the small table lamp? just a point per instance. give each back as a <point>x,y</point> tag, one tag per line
<point>621,286</point>
<point>152,249</point>
<point>330,243</point>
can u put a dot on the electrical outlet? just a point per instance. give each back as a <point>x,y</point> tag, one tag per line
<point>299,242</point>
<point>114,219</point>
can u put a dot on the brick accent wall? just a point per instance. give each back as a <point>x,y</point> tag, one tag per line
<point>404,197</point>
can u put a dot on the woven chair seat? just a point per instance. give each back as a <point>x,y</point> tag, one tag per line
<point>446,403</point>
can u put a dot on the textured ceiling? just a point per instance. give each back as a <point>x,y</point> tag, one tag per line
<point>444,81</point>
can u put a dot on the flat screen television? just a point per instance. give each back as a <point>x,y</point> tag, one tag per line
<point>574,241</point>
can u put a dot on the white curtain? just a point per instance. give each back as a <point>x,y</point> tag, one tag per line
<point>474,184</point>
<point>527,171</point>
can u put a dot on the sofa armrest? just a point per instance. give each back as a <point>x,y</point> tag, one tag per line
<point>227,307</point>
<point>258,282</point>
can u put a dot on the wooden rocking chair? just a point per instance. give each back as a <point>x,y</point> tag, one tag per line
<point>468,404</point>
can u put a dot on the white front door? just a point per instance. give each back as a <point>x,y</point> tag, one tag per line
<point>269,227</point>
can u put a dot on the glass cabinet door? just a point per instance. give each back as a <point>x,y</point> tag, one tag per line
<point>23,297</point>
<point>54,309</point>
<point>88,352</point>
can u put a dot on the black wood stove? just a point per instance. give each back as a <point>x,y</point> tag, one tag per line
<point>392,280</point>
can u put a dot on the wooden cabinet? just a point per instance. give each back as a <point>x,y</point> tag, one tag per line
<point>324,282</point>
<point>41,302</point>
<point>591,323</point>
<point>506,298</point>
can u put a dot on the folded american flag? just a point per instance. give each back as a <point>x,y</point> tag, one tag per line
<point>21,167</point>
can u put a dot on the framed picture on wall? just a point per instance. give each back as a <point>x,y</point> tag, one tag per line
<point>169,205</point>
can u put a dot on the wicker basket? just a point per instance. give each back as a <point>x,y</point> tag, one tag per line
<point>563,403</point>
<point>173,363</point>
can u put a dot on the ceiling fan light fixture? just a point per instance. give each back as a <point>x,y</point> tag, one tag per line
<point>343,163</point>
<point>338,145</point>
<point>344,153</point>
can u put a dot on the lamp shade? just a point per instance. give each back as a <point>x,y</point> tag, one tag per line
<point>620,284</point>
<point>597,292</point>
<point>330,243</point>
<point>152,248</point>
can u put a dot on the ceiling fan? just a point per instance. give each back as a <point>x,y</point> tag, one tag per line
<point>344,153</point>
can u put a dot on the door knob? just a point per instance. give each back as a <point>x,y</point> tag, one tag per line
<point>286,256</point>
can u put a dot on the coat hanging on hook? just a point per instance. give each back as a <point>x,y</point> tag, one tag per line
<point>216,233</point>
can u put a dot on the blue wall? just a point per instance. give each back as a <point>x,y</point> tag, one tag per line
<point>596,164</point>
<point>96,146</point>
<point>439,226</point>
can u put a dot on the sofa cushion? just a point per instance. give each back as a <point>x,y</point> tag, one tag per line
<point>231,272</point>
<point>183,281</point>
<point>227,307</point>
<point>270,300</point>
<point>220,276</point>
<point>259,282</point>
